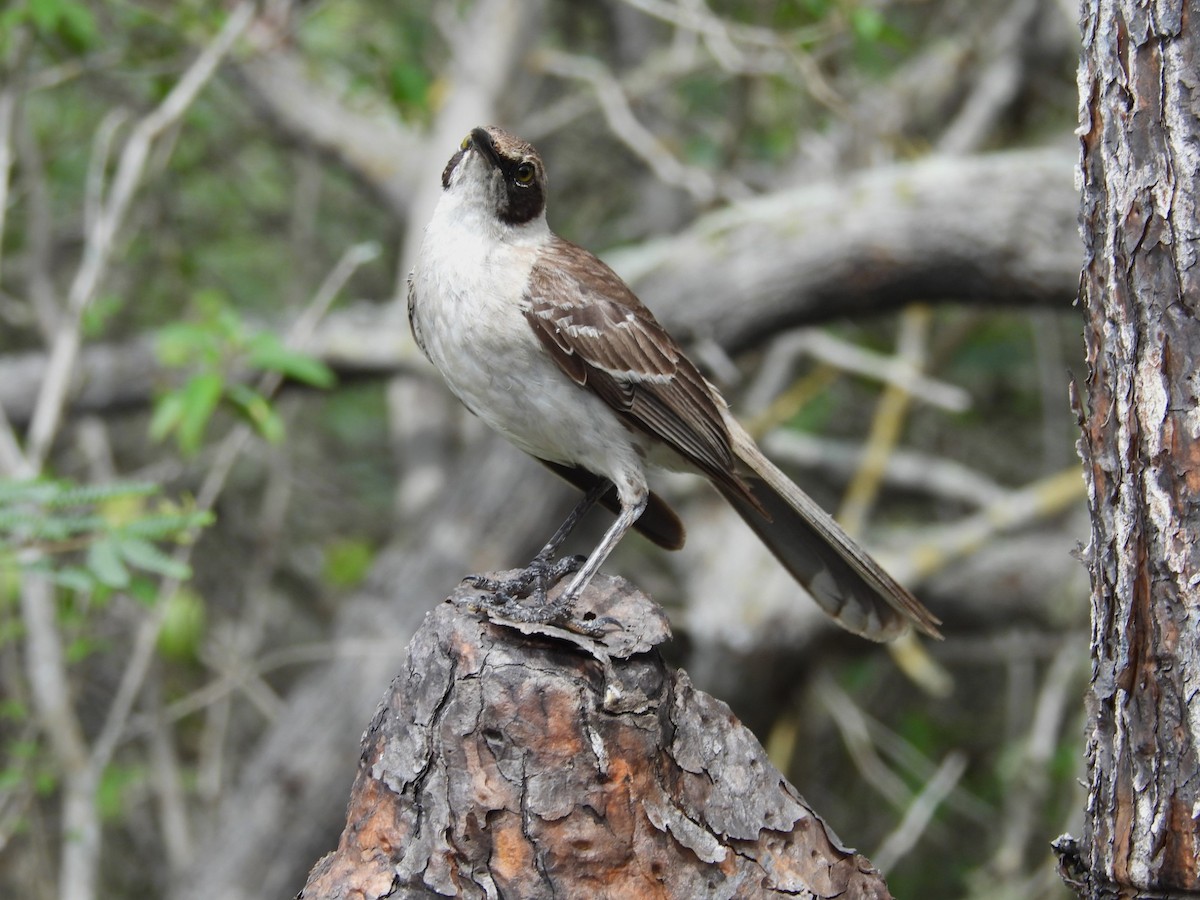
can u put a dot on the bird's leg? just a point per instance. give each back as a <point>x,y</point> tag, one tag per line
<point>560,610</point>
<point>543,572</point>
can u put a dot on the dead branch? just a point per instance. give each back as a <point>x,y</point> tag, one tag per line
<point>536,763</point>
<point>993,231</point>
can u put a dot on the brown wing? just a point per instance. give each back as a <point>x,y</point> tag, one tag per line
<point>602,336</point>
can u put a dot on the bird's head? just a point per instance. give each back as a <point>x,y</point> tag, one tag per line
<point>498,175</point>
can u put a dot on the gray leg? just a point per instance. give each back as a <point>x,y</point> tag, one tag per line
<point>629,514</point>
<point>590,499</point>
<point>560,610</point>
<point>541,574</point>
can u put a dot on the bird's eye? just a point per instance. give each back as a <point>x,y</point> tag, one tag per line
<point>524,174</point>
<point>466,142</point>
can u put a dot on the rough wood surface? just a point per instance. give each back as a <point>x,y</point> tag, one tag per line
<point>1141,447</point>
<point>525,761</point>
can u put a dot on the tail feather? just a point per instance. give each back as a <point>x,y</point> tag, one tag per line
<point>847,583</point>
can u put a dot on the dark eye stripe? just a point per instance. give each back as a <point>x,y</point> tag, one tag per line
<point>524,202</point>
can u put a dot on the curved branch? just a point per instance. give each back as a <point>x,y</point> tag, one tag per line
<point>996,231</point>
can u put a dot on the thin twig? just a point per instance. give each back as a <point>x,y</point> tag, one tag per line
<point>849,357</point>
<point>888,420</point>
<point>852,725</point>
<point>940,546</point>
<point>8,108</point>
<point>98,247</point>
<point>920,812</point>
<point>12,461</point>
<point>39,237</point>
<point>702,187</point>
<point>765,52</point>
<point>226,454</point>
<point>996,83</point>
<point>1024,799</point>
<point>911,470</point>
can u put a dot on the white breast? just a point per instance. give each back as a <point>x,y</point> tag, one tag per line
<point>468,303</point>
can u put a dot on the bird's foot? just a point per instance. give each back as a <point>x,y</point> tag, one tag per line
<point>532,583</point>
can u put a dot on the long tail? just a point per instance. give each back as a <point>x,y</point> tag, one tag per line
<point>847,584</point>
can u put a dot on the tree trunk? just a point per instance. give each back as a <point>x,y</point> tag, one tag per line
<point>1141,446</point>
<point>513,760</point>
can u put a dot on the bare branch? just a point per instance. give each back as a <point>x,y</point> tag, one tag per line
<point>12,460</point>
<point>485,46</point>
<point>8,108</point>
<point>1025,796</point>
<point>99,245</point>
<point>38,232</point>
<point>1005,228</point>
<point>996,83</point>
<point>891,409</point>
<point>920,812</point>
<point>227,453</point>
<point>1044,497</point>
<point>937,476</point>
<point>698,183</point>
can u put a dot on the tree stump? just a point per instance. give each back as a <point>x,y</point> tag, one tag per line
<point>526,761</point>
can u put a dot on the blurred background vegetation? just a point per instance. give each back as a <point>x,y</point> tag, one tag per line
<point>229,487</point>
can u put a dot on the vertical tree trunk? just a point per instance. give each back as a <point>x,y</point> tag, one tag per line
<point>1141,443</point>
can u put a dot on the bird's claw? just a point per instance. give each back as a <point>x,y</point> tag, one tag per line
<point>532,583</point>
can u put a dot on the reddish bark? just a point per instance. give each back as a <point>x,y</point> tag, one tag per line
<point>525,761</point>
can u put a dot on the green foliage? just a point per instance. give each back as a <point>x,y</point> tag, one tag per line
<point>397,63</point>
<point>217,347</point>
<point>347,562</point>
<point>68,22</point>
<point>183,627</point>
<point>92,538</point>
<point>115,784</point>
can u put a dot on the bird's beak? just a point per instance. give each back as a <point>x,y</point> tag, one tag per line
<point>486,146</point>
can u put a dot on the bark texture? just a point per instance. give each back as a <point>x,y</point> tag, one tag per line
<point>1141,445</point>
<point>512,760</point>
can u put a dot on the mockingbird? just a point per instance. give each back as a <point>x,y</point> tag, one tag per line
<point>548,346</point>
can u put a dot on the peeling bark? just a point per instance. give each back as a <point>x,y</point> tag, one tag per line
<point>512,760</point>
<point>1141,445</point>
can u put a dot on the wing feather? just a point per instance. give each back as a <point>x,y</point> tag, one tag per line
<point>603,338</point>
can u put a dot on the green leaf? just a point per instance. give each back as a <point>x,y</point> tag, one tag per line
<point>13,710</point>
<point>68,494</point>
<point>142,554</point>
<point>201,395</point>
<point>173,525</point>
<point>347,562</point>
<point>73,578</point>
<point>409,86</point>
<point>45,783</point>
<point>44,14</point>
<point>144,590</point>
<point>168,413</point>
<point>115,783</point>
<point>98,312</point>
<point>258,411</point>
<point>77,26</point>
<point>183,627</point>
<point>104,562</point>
<point>268,352</point>
<point>81,648</point>
<point>185,343</point>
